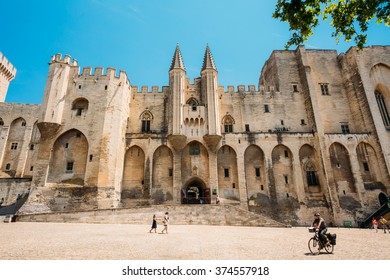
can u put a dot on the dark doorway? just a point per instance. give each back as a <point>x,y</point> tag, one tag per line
<point>195,192</point>
<point>382,198</point>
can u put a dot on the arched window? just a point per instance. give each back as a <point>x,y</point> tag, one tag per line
<point>193,103</point>
<point>80,105</point>
<point>146,119</point>
<point>311,175</point>
<point>228,122</point>
<point>382,108</point>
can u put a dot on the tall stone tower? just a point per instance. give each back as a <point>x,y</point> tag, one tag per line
<point>60,71</point>
<point>7,74</point>
<point>177,78</point>
<point>209,76</point>
<point>177,84</point>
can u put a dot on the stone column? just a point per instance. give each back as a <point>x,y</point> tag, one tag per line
<point>298,179</point>
<point>353,158</point>
<point>177,182</point>
<point>213,171</point>
<point>242,181</point>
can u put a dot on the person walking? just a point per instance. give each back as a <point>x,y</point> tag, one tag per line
<point>154,225</point>
<point>383,222</point>
<point>218,200</point>
<point>165,223</point>
<point>375,224</point>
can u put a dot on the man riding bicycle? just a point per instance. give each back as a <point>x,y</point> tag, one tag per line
<point>319,224</point>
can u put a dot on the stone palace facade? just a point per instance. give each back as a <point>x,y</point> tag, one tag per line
<point>313,136</point>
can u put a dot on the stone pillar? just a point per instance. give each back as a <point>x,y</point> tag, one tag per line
<point>213,171</point>
<point>353,158</point>
<point>177,182</point>
<point>298,179</point>
<point>242,181</point>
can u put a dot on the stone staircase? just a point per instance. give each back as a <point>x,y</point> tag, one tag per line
<point>221,215</point>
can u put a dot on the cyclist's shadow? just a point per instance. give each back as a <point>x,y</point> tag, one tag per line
<point>321,253</point>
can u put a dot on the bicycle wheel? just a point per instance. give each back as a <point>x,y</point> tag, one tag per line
<point>329,248</point>
<point>314,247</point>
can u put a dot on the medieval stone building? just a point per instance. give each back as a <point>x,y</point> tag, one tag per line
<point>313,136</point>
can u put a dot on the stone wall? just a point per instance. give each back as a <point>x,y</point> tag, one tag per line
<point>179,215</point>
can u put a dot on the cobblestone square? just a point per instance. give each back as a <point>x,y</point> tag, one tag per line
<point>57,241</point>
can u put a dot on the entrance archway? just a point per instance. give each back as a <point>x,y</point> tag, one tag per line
<point>382,198</point>
<point>195,192</point>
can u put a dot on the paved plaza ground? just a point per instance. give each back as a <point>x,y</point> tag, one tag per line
<point>55,241</point>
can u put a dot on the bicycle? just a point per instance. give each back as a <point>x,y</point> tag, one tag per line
<point>316,245</point>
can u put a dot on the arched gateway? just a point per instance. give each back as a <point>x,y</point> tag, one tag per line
<point>195,191</point>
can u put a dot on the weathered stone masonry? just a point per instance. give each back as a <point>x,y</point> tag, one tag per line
<point>313,136</point>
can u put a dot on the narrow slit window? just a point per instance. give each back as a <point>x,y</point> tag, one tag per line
<point>69,166</point>
<point>257,171</point>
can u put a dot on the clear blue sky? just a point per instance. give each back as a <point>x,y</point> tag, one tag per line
<point>140,37</point>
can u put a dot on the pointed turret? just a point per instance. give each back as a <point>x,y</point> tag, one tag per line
<point>209,93</point>
<point>208,61</point>
<point>177,61</point>
<point>177,84</point>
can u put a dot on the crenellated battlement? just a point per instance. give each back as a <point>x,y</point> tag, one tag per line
<point>98,72</point>
<point>250,89</point>
<point>240,89</point>
<point>67,59</point>
<point>6,68</point>
<point>145,90</point>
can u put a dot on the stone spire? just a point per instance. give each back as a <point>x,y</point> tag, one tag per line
<point>208,61</point>
<point>177,61</point>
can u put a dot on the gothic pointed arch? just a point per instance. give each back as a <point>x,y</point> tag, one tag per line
<point>310,164</point>
<point>162,185</point>
<point>80,106</point>
<point>368,163</point>
<point>283,173</point>
<point>382,96</point>
<point>228,123</point>
<point>146,118</point>
<point>133,178</point>
<point>69,158</point>
<point>341,168</point>
<point>195,162</point>
<point>13,148</point>
<point>195,191</point>
<point>228,186</point>
<point>146,115</point>
<point>192,101</point>
<point>255,172</point>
